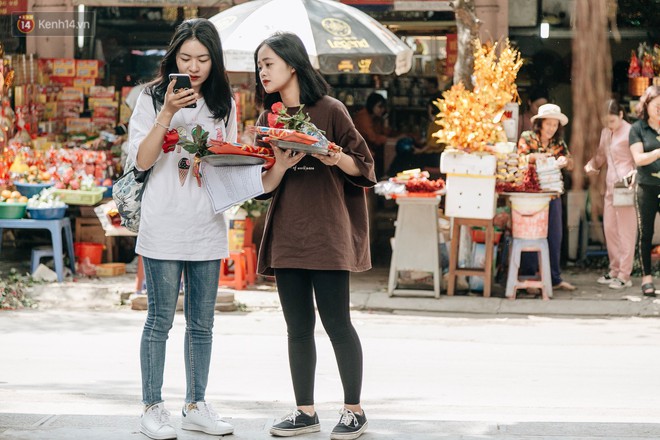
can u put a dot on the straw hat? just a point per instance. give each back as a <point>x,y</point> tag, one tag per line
<point>551,111</point>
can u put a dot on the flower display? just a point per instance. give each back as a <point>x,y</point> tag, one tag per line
<point>300,121</point>
<point>472,120</point>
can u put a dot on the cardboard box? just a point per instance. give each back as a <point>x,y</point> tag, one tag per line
<point>84,83</point>
<point>458,162</point>
<point>87,68</point>
<point>64,67</point>
<point>78,125</point>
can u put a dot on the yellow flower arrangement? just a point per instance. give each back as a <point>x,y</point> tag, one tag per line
<point>472,120</point>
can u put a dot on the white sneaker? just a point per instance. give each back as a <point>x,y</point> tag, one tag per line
<point>201,416</point>
<point>620,284</point>
<point>605,279</point>
<point>155,423</point>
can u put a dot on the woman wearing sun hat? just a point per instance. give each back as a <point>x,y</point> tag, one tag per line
<point>543,140</point>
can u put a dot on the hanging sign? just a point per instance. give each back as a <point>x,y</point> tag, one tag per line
<point>452,53</point>
<point>148,3</point>
<point>422,5</point>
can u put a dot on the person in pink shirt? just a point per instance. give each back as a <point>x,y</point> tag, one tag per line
<point>619,222</point>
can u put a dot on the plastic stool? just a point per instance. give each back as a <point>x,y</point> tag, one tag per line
<point>56,227</point>
<point>235,278</point>
<point>251,267</point>
<point>513,283</point>
<point>38,253</point>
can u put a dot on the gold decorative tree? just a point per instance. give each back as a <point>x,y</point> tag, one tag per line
<point>471,120</point>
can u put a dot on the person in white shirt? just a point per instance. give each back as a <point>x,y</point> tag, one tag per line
<point>179,233</point>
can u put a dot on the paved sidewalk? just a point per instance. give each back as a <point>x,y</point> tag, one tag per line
<point>369,292</point>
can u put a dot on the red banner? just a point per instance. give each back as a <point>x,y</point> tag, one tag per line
<point>452,53</point>
<point>7,7</point>
<point>368,2</point>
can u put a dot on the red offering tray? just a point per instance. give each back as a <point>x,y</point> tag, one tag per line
<point>284,134</point>
<point>230,154</point>
<point>417,194</point>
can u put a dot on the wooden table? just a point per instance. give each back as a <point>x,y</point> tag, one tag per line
<point>454,270</point>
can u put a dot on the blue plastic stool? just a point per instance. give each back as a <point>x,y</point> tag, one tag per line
<point>56,228</point>
<point>38,253</point>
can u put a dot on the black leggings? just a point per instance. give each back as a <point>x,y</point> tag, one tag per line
<point>297,289</point>
<point>648,205</point>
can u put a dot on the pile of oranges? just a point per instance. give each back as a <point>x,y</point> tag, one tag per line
<point>7,196</point>
<point>34,175</point>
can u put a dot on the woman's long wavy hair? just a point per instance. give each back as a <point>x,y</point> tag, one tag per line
<point>216,89</point>
<point>291,49</point>
<point>649,95</point>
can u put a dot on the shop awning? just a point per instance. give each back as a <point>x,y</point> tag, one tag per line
<point>402,5</point>
<point>151,3</point>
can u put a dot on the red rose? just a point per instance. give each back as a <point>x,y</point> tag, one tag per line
<point>277,107</point>
<point>170,140</point>
<point>272,121</point>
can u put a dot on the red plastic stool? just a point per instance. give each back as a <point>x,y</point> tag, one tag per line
<point>251,258</point>
<point>236,278</point>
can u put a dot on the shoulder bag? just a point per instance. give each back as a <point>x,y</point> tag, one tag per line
<point>624,190</point>
<point>127,192</point>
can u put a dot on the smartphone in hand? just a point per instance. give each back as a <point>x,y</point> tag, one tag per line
<point>182,83</point>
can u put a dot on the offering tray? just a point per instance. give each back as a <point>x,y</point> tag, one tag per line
<point>226,160</point>
<point>295,146</point>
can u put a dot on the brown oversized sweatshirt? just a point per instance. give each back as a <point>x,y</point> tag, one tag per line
<point>318,214</point>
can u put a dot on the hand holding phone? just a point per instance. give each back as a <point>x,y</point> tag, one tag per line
<point>182,83</point>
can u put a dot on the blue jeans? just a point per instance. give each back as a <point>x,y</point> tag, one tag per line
<point>163,279</point>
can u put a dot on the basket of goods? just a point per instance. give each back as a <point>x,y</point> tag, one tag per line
<point>46,206</point>
<point>78,189</point>
<point>32,182</point>
<point>12,205</point>
<point>418,184</point>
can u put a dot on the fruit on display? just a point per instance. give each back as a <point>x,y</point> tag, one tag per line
<point>69,179</point>
<point>7,196</point>
<point>45,199</point>
<point>34,175</point>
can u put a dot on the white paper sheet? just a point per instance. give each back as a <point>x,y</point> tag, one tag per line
<point>231,185</point>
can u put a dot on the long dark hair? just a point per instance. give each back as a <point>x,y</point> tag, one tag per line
<point>538,124</point>
<point>614,108</point>
<point>373,100</point>
<point>643,107</point>
<point>216,89</point>
<point>291,49</point>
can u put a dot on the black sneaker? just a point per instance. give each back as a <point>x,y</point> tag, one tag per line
<point>350,426</point>
<point>296,423</point>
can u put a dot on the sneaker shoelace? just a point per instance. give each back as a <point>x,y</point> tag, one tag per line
<point>292,417</point>
<point>207,411</point>
<point>348,417</point>
<point>160,414</point>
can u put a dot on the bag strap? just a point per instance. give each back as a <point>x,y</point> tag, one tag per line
<point>609,152</point>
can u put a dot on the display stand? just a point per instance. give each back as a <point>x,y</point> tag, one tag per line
<point>416,242</point>
<point>454,270</point>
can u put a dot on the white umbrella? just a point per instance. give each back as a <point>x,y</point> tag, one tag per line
<point>338,38</point>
